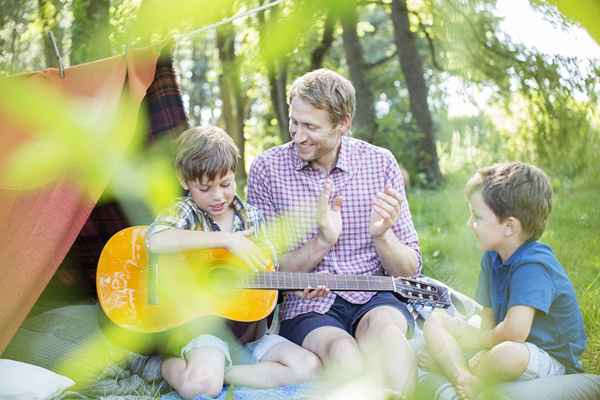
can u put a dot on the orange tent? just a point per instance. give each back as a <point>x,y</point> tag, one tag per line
<point>38,227</point>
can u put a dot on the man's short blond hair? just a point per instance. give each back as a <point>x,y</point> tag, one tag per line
<point>518,190</point>
<point>206,151</point>
<point>326,90</point>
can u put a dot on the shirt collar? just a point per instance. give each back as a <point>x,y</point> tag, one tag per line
<point>238,208</point>
<point>343,159</point>
<point>514,258</point>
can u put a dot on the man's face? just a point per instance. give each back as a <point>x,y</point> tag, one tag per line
<point>214,197</point>
<point>485,224</point>
<point>315,137</point>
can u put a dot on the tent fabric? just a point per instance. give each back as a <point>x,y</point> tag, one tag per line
<point>38,227</point>
<point>165,116</point>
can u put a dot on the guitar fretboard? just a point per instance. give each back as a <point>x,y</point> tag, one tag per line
<point>301,280</point>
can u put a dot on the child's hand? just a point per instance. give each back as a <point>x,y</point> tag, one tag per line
<point>246,250</point>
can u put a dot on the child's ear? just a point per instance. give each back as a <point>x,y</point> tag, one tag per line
<point>512,226</point>
<point>182,182</point>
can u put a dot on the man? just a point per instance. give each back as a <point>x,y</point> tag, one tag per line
<point>362,226</point>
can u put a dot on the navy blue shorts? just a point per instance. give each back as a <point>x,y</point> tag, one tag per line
<point>343,315</point>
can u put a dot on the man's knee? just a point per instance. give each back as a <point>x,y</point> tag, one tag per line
<point>383,320</point>
<point>307,367</point>
<point>342,347</point>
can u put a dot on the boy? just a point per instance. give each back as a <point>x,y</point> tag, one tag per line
<point>532,326</point>
<point>211,215</point>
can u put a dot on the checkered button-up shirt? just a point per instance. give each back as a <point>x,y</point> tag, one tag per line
<point>280,183</point>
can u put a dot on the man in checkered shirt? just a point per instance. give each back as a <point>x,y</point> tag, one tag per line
<point>351,195</point>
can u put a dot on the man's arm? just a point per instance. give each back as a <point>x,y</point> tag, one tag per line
<point>329,220</point>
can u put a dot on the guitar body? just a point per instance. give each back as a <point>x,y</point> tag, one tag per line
<point>146,295</point>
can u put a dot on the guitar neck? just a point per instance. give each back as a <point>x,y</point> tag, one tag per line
<point>303,280</point>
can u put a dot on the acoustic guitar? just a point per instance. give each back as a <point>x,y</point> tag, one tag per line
<point>146,293</point>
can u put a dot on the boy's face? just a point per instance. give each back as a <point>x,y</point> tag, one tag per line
<point>214,196</point>
<point>488,229</point>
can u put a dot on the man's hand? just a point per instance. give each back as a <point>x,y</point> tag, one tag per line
<point>309,293</point>
<point>246,250</point>
<point>385,211</point>
<point>329,217</point>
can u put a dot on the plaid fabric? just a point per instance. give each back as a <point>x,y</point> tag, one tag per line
<point>166,116</point>
<point>282,183</point>
<point>186,214</point>
<point>163,100</point>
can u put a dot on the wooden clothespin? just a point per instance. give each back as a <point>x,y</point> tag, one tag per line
<point>59,59</point>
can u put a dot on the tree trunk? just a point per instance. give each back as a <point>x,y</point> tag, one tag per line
<point>49,13</point>
<point>277,74</point>
<point>232,96</point>
<point>90,30</point>
<point>412,67</point>
<point>364,125</point>
<point>318,54</point>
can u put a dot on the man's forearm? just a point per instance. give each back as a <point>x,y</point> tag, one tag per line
<point>398,258</point>
<point>307,257</point>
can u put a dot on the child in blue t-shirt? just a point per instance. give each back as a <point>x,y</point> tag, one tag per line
<point>531,324</point>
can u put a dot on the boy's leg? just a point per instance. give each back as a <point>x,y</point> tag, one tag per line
<point>200,369</point>
<point>381,335</point>
<point>446,351</point>
<point>509,361</point>
<point>279,362</point>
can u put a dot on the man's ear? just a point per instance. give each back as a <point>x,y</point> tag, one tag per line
<point>345,124</point>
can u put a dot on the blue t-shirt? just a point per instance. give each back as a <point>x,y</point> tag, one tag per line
<point>533,277</point>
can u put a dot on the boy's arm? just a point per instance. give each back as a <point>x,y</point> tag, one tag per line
<point>514,328</point>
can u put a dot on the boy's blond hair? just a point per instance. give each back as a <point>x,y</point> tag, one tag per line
<point>326,90</point>
<point>517,190</point>
<point>206,151</point>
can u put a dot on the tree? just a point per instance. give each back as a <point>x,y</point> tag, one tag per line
<point>233,111</point>
<point>49,13</point>
<point>412,67</point>
<point>90,30</point>
<point>364,124</point>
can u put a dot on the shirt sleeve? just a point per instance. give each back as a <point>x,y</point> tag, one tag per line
<point>176,217</point>
<point>404,227</point>
<point>531,285</point>
<point>482,295</point>
<point>259,189</point>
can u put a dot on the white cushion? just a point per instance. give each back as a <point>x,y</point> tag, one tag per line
<point>21,381</point>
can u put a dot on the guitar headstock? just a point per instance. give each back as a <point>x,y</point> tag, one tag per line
<point>415,291</point>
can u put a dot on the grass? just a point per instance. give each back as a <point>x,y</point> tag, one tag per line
<point>451,254</point>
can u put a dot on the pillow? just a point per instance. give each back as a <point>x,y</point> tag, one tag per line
<point>21,381</point>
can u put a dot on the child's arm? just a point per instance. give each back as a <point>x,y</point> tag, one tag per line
<point>514,328</point>
<point>176,240</point>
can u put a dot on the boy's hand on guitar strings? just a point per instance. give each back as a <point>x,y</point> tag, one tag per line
<point>246,250</point>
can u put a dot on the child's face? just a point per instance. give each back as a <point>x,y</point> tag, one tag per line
<point>485,224</point>
<point>214,196</point>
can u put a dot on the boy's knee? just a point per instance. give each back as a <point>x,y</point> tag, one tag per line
<point>508,359</point>
<point>196,383</point>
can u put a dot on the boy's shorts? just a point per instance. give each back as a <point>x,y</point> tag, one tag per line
<point>540,364</point>
<point>250,353</point>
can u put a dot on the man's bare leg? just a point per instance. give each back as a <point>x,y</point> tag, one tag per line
<point>381,333</point>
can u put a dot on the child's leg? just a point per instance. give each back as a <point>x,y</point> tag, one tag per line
<point>282,363</point>
<point>447,353</point>
<point>200,370</point>
<point>509,361</point>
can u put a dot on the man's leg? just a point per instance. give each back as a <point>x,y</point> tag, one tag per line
<point>336,348</point>
<point>381,335</point>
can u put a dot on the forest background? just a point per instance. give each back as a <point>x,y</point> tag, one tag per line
<point>441,84</point>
